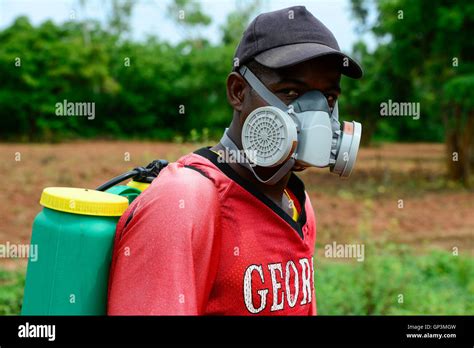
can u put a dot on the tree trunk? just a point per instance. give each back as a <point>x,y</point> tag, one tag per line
<point>468,144</point>
<point>459,146</point>
<point>367,132</point>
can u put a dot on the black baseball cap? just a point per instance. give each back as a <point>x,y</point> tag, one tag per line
<point>287,37</point>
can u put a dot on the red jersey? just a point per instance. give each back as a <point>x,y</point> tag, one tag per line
<point>202,240</point>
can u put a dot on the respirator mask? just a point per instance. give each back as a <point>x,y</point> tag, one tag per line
<point>306,132</point>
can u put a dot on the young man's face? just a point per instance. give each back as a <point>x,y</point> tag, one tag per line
<point>288,84</point>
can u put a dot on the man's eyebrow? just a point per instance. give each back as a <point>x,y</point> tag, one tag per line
<point>282,80</point>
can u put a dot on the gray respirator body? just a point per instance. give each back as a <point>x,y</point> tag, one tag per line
<point>306,132</point>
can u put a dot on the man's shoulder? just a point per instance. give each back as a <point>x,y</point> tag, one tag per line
<point>184,180</point>
<point>180,194</point>
<point>191,177</point>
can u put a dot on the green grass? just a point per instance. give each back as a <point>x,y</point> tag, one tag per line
<point>437,283</point>
<point>11,291</point>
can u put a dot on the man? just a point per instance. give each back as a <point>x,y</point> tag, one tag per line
<point>231,237</point>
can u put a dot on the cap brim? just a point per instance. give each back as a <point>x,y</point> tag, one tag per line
<point>288,55</point>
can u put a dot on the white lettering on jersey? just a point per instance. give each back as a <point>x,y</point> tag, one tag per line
<point>291,299</point>
<point>276,285</point>
<point>279,273</point>
<point>306,281</point>
<point>248,290</point>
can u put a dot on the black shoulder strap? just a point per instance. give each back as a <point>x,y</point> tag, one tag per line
<point>130,216</point>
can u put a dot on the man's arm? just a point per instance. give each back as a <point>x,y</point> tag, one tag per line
<point>165,259</point>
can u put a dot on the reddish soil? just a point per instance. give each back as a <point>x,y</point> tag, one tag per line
<point>433,213</point>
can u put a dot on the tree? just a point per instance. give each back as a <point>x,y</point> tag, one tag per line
<point>237,21</point>
<point>431,50</point>
<point>119,16</point>
<point>458,118</point>
<point>190,18</point>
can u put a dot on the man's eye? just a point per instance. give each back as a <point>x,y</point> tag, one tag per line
<point>290,93</point>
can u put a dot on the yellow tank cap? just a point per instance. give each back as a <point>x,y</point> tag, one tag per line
<point>83,201</point>
<point>142,186</point>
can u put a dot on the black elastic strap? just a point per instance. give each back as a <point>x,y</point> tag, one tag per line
<point>197,170</point>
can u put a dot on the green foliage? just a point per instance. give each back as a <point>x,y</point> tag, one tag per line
<point>119,18</point>
<point>421,46</point>
<point>434,284</point>
<point>146,90</point>
<point>152,89</point>
<point>460,91</point>
<point>43,66</point>
<point>11,292</point>
<point>237,22</point>
<point>189,12</point>
<point>458,97</point>
<point>437,283</point>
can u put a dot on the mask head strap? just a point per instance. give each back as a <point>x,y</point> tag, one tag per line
<point>261,89</point>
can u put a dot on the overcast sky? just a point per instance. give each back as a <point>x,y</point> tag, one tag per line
<point>150,16</point>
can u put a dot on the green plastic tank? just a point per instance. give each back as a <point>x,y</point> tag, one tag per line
<point>74,233</point>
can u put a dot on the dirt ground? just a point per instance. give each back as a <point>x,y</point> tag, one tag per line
<point>397,192</point>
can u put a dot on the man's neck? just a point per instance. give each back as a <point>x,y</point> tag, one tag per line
<point>274,192</point>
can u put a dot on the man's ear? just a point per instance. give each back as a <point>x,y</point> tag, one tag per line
<point>236,90</point>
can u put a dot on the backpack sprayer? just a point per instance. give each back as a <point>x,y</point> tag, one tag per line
<point>74,233</point>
